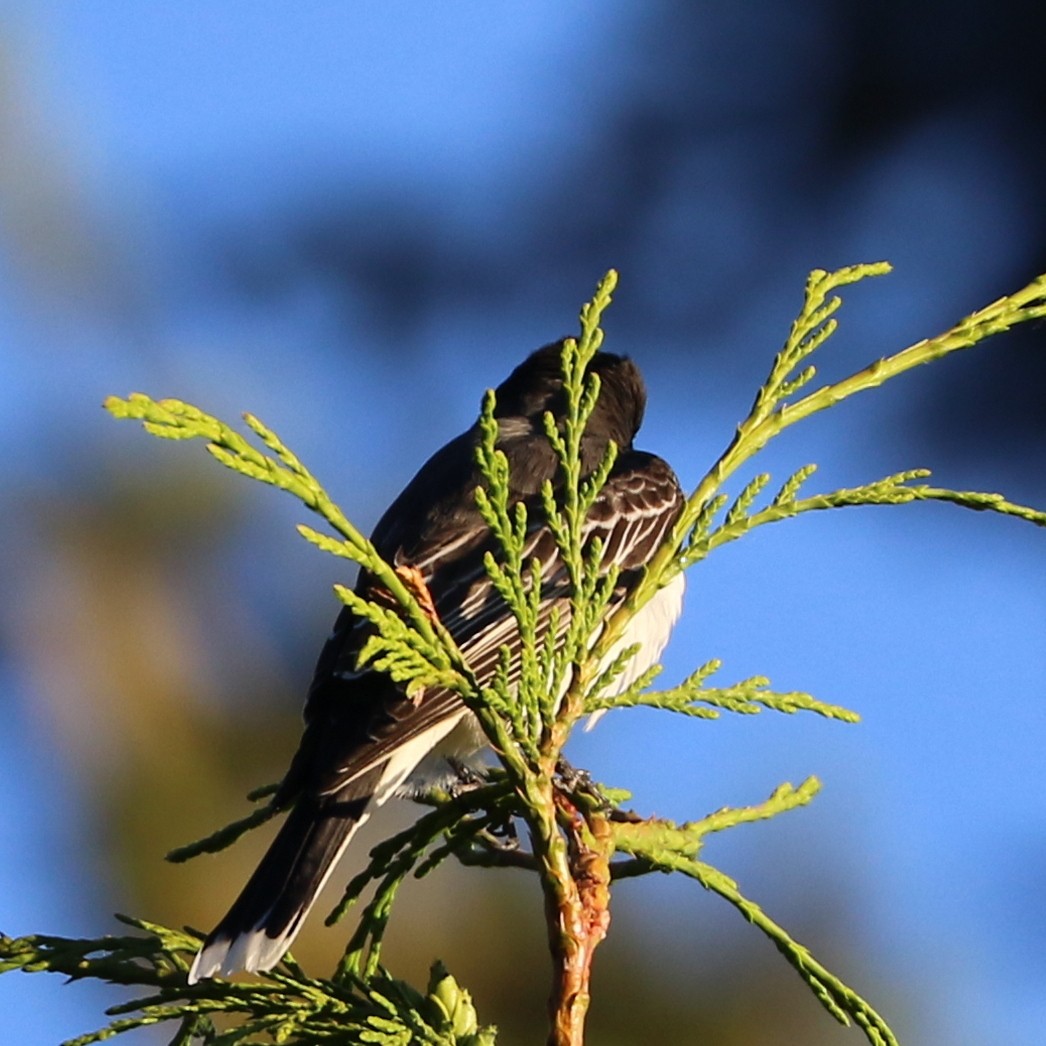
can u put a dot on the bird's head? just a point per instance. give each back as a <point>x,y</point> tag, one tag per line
<point>536,386</point>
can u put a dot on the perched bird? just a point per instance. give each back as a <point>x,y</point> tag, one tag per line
<point>364,739</point>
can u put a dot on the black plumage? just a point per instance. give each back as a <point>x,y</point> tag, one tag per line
<point>364,740</point>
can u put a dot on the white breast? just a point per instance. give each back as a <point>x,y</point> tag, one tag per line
<point>650,628</point>
<point>426,764</point>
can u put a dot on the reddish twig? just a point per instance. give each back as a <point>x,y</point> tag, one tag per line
<point>578,911</point>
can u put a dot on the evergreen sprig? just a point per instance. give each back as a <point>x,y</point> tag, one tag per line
<point>775,409</point>
<point>408,633</point>
<point>580,838</point>
<point>456,824</point>
<point>898,489</point>
<point>693,698</point>
<point>660,845</point>
<point>283,1006</point>
<point>536,712</point>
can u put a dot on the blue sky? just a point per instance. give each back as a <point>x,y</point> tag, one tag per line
<point>159,148</point>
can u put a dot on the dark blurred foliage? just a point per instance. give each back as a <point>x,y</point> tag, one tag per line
<point>806,100</point>
<point>729,148</point>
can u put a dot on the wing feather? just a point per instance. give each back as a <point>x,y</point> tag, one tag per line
<point>632,515</point>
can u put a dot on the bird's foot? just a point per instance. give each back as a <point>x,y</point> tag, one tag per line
<point>580,782</point>
<point>467,778</point>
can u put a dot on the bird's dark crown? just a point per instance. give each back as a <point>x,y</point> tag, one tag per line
<point>536,386</point>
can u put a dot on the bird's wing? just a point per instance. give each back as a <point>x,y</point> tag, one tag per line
<point>633,513</point>
<point>359,717</point>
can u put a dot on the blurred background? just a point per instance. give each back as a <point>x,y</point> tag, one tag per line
<point>350,220</point>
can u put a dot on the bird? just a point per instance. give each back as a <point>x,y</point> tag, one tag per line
<point>364,739</point>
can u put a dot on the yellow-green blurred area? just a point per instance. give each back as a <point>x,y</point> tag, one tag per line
<point>352,219</point>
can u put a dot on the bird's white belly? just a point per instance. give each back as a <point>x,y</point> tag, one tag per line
<point>650,628</point>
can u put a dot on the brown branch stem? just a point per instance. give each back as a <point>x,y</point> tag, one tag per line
<point>577,903</point>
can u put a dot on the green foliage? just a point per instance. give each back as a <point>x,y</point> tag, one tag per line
<point>407,641</point>
<point>528,724</point>
<point>538,720</point>
<point>288,1007</point>
<point>693,698</point>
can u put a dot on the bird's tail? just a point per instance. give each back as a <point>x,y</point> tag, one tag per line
<point>266,917</point>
